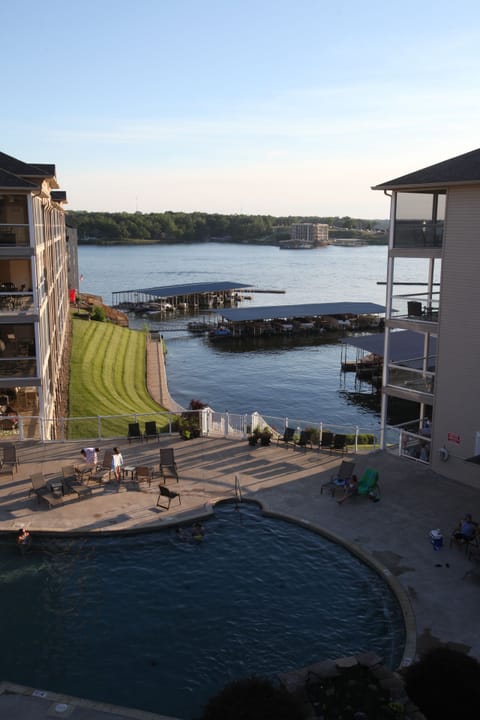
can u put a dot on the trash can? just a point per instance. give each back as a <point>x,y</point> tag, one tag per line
<point>436,539</point>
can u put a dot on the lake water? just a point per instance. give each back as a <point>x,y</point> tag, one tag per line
<point>301,382</point>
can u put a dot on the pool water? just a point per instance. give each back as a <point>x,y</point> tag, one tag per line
<point>160,623</point>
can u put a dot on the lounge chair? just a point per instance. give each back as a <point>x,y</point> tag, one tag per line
<point>339,478</point>
<point>151,430</point>
<point>304,439</point>
<point>339,443</point>
<point>134,432</point>
<point>326,440</point>
<point>368,484</point>
<point>169,495</point>
<point>42,491</point>
<point>10,457</point>
<point>287,437</point>
<point>72,484</point>
<point>168,466</point>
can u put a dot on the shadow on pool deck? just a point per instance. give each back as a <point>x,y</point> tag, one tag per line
<point>442,587</point>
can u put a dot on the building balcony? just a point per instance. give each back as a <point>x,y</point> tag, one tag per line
<point>13,302</point>
<point>14,236</point>
<point>405,381</point>
<point>418,308</point>
<point>16,368</point>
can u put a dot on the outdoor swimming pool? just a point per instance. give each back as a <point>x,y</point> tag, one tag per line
<point>158,623</point>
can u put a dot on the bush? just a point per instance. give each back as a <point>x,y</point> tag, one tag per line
<point>98,314</point>
<point>189,422</point>
<point>254,698</point>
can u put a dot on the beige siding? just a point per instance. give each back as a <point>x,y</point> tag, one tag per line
<point>457,384</point>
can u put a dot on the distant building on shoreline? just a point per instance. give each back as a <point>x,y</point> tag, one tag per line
<point>309,234</point>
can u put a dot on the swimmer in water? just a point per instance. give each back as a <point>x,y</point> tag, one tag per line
<point>198,531</point>
<point>24,537</point>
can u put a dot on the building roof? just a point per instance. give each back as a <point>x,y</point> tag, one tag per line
<point>404,345</point>
<point>167,291</point>
<point>459,170</point>
<point>277,312</point>
<point>28,170</point>
<point>11,181</point>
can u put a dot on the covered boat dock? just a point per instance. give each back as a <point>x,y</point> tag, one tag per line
<point>190,296</point>
<point>302,318</point>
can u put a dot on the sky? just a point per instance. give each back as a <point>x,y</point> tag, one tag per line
<point>238,106</point>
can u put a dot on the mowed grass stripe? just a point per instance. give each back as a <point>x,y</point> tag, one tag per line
<point>108,370</point>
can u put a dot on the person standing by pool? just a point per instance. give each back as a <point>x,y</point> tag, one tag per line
<point>117,462</point>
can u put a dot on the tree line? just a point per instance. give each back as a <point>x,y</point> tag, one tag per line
<point>180,227</point>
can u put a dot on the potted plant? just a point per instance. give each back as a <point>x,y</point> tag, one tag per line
<point>266,436</point>
<point>254,436</point>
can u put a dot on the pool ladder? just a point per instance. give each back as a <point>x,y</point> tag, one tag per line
<point>238,490</point>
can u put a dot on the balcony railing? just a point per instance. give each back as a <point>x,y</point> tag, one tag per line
<point>418,307</point>
<point>14,235</point>
<point>412,378</point>
<point>418,234</point>
<point>17,367</point>
<point>12,302</point>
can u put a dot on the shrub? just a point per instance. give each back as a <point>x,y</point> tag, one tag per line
<point>189,422</point>
<point>98,314</point>
<point>254,698</point>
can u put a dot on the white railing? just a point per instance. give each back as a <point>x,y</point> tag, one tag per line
<point>210,423</point>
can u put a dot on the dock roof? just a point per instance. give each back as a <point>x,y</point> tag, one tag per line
<point>277,312</point>
<point>166,291</point>
<point>404,345</point>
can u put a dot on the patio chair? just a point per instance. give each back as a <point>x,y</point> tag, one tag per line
<point>42,491</point>
<point>169,495</point>
<point>72,484</point>
<point>368,484</point>
<point>339,478</point>
<point>151,430</point>
<point>287,437</point>
<point>102,468</point>
<point>10,457</point>
<point>168,466</point>
<point>143,474</point>
<point>339,443</point>
<point>304,440</point>
<point>460,538</point>
<point>326,440</point>
<point>134,432</point>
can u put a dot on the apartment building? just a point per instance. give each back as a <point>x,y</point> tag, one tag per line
<point>435,241</point>
<point>309,233</point>
<point>34,301</point>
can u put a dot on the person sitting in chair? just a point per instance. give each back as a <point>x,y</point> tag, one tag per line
<point>351,488</point>
<point>466,530</point>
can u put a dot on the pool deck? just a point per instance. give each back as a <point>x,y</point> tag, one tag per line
<point>439,590</point>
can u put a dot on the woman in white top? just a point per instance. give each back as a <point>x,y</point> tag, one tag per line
<point>117,462</point>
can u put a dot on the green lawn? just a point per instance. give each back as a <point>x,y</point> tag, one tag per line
<point>107,377</point>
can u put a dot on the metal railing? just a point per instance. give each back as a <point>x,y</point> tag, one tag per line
<point>211,423</point>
